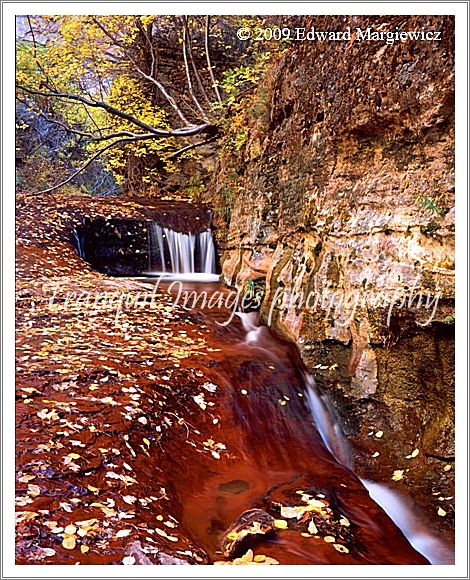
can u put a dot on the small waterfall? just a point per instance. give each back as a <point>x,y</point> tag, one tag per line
<point>250,326</point>
<point>180,253</point>
<point>78,240</point>
<point>397,506</point>
<point>156,247</point>
<point>417,530</point>
<point>207,250</point>
<point>327,424</point>
<point>324,416</point>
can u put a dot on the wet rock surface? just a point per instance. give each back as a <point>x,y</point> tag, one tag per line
<point>244,531</point>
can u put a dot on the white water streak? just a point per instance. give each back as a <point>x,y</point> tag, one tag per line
<point>397,506</point>
<point>183,249</point>
<point>401,512</point>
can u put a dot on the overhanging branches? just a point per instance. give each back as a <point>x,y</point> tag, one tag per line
<point>120,137</point>
<point>183,132</point>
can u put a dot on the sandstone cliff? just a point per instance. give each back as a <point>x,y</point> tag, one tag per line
<point>344,188</point>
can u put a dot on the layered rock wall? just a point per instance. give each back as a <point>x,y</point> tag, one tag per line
<point>346,195</point>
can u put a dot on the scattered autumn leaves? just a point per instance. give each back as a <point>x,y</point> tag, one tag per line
<point>97,398</point>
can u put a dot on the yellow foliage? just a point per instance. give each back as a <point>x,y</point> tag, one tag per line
<point>93,56</point>
<point>131,96</point>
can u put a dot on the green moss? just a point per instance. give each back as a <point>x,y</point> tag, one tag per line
<point>432,205</point>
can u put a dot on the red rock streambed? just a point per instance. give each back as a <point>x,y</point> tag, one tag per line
<point>268,455</point>
<point>143,434</point>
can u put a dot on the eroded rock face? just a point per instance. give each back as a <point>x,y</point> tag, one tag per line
<point>348,198</point>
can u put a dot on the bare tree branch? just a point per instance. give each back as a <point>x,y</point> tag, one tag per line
<point>208,58</point>
<point>148,38</point>
<point>90,103</point>
<point>124,140</point>
<point>35,50</point>
<point>149,78</point>
<point>193,63</point>
<point>93,157</point>
<point>88,134</point>
<point>92,119</point>
<point>189,147</point>
<point>186,67</point>
<point>164,92</point>
<point>183,132</point>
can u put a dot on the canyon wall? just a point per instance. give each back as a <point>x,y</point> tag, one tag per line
<point>341,202</point>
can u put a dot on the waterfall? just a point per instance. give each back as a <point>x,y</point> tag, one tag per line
<point>414,525</point>
<point>327,424</point>
<point>156,247</point>
<point>207,249</point>
<point>180,253</point>
<point>398,506</point>
<point>78,240</point>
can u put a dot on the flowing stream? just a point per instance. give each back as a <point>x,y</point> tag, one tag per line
<point>276,438</point>
<point>287,439</point>
<point>283,435</point>
<point>398,507</point>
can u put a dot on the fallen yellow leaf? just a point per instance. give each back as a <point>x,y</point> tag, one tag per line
<point>281,524</point>
<point>69,543</point>
<point>34,490</point>
<point>413,454</point>
<point>312,528</point>
<point>397,474</point>
<point>70,529</point>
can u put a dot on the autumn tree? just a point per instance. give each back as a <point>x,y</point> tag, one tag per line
<point>141,92</point>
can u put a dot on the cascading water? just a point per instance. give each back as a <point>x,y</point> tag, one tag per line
<point>404,514</point>
<point>397,506</point>
<point>78,240</point>
<point>327,424</point>
<point>186,254</point>
<point>207,251</point>
<point>156,246</point>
